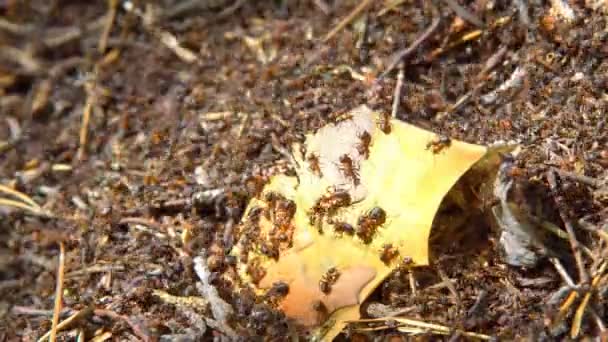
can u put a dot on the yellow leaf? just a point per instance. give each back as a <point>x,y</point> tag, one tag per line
<point>405,175</point>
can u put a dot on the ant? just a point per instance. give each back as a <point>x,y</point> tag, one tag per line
<point>270,249</point>
<point>384,123</point>
<point>344,228</point>
<point>314,165</point>
<point>388,253</point>
<point>439,144</point>
<point>255,213</point>
<point>343,117</point>
<point>367,224</point>
<point>328,279</point>
<point>255,271</point>
<point>363,146</point>
<point>327,205</point>
<point>278,289</point>
<point>321,309</point>
<point>348,168</point>
<point>284,212</point>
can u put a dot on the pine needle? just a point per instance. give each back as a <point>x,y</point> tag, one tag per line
<point>58,292</point>
<point>23,197</point>
<point>349,18</point>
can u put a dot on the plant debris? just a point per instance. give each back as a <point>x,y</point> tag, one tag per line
<point>137,133</point>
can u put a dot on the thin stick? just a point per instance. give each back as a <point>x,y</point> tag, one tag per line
<point>350,17</point>
<point>141,221</point>
<point>58,292</point>
<point>397,93</point>
<point>579,178</point>
<point>464,13</point>
<point>564,309</point>
<point>103,39</point>
<point>574,244</point>
<point>323,6</point>
<point>230,10</point>
<point>18,29</point>
<point>448,284</point>
<point>412,281</point>
<point>405,53</point>
<point>424,325</point>
<point>69,321</point>
<point>580,311</point>
<point>562,272</point>
<point>84,127</point>
<point>113,315</point>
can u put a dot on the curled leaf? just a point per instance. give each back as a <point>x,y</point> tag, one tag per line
<point>363,202</point>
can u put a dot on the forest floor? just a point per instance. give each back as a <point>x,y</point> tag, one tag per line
<point>117,117</point>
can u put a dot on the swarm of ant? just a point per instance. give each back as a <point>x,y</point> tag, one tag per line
<point>320,241</point>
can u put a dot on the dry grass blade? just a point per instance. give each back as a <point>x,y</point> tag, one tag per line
<point>134,326</point>
<point>580,311</point>
<point>69,321</point>
<point>423,326</point>
<point>19,205</point>
<point>397,93</point>
<point>58,292</point>
<point>20,195</point>
<point>103,39</point>
<point>564,309</point>
<point>350,17</point>
<point>405,53</point>
<point>86,117</point>
<point>574,244</point>
<point>464,13</point>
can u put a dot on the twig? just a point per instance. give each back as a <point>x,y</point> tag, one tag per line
<point>135,327</point>
<point>580,311</point>
<point>165,37</point>
<point>479,304</point>
<point>593,228</point>
<point>58,293</point>
<point>448,284</point>
<point>412,282</point>
<point>481,78</point>
<point>464,13</point>
<point>18,29</point>
<point>95,269</point>
<point>28,311</point>
<point>23,58</point>
<point>140,221</point>
<point>562,272</point>
<point>11,283</point>
<point>574,244</point>
<point>228,11</point>
<point>86,115</point>
<point>397,93</point>
<point>69,34</point>
<point>69,321</point>
<point>16,204</point>
<point>103,39</point>
<point>594,182</point>
<point>405,53</point>
<point>515,81</point>
<point>350,17</point>
<point>323,6</point>
<point>436,328</point>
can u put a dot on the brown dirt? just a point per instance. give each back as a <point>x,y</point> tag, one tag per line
<point>153,151</point>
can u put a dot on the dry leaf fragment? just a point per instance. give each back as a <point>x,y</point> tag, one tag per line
<point>358,192</point>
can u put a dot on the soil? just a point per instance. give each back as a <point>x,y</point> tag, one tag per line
<point>179,141</point>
